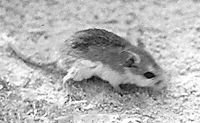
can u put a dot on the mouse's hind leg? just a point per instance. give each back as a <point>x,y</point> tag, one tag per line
<point>70,75</point>
<point>78,73</point>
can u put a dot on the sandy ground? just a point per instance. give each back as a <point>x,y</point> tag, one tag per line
<point>170,29</point>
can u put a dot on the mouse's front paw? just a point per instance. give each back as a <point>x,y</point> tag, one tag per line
<point>119,90</point>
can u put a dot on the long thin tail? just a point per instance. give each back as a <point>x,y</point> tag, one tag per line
<point>28,59</point>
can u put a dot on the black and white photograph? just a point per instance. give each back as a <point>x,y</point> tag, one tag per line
<point>99,61</point>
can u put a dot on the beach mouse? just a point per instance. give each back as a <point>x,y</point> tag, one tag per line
<point>100,53</point>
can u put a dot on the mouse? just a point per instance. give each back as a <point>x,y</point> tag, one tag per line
<point>101,53</point>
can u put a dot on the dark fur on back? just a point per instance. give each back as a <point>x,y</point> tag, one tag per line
<point>99,38</point>
<point>97,45</point>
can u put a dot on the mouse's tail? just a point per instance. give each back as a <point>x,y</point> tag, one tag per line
<point>30,59</point>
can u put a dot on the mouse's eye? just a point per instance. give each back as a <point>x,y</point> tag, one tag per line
<point>130,62</point>
<point>149,75</point>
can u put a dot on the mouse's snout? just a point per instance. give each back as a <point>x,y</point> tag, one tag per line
<point>161,81</point>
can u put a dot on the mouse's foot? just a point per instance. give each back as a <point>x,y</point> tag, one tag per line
<point>66,86</point>
<point>71,98</point>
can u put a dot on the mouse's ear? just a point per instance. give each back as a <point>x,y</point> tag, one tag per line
<point>132,60</point>
<point>130,63</point>
<point>135,56</point>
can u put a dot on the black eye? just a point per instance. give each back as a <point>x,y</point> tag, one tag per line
<point>129,63</point>
<point>149,75</point>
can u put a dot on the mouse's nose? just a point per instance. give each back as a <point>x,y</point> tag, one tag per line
<point>162,81</point>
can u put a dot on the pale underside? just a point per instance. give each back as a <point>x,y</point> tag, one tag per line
<point>84,69</point>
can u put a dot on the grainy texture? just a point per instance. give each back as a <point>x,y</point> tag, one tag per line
<point>169,29</point>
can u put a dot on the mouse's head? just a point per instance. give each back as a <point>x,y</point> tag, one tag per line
<point>142,69</point>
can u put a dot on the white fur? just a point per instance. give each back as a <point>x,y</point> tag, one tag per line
<point>84,69</point>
